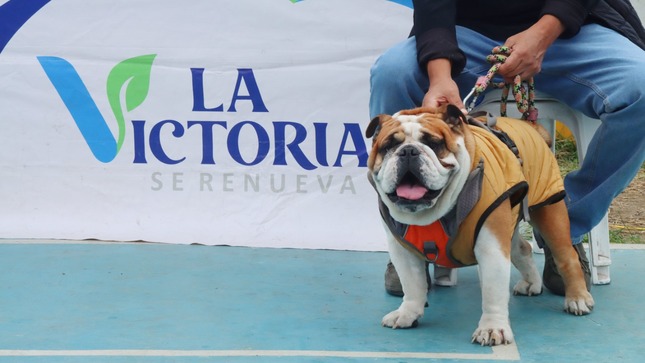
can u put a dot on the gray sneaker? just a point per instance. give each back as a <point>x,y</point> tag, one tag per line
<point>392,282</point>
<point>551,277</point>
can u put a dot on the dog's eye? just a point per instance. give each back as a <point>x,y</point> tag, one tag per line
<point>435,143</point>
<point>389,143</point>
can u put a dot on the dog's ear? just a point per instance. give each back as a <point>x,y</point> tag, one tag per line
<point>453,116</point>
<point>375,125</point>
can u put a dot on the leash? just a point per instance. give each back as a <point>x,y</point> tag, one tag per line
<point>523,92</point>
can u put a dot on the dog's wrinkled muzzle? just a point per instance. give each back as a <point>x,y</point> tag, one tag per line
<point>410,187</point>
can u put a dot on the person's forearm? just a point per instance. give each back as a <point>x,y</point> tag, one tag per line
<point>438,70</point>
<point>572,14</point>
<point>549,28</point>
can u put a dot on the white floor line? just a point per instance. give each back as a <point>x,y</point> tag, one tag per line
<point>13,241</point>
<point>626,246</point>
<point>28,241</point>
<point>507,352</point>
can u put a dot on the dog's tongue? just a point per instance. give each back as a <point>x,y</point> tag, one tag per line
<point>411,192</point>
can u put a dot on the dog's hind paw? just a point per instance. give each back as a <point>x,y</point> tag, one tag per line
<point>579,305</point>
<point>526,288</point>
<point>397,319</point>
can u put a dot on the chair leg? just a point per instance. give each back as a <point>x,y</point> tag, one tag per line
<point>599,253</point>
<point>444,276</point>
<point>599,248</point>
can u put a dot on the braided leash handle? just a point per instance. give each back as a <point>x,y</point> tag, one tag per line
<point>523,92</point>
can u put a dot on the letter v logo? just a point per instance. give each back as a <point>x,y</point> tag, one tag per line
<point>132,74</point>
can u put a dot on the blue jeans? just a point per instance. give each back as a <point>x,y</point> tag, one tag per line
<point>598,72</point>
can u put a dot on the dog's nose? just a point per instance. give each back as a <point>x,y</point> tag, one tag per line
<point>408,151</point>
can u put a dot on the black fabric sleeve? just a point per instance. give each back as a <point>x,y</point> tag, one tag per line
<point>572,13</point>
<point>434,28</point>
<point>435,21</point>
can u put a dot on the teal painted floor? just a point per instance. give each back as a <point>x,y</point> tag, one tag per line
<point>140,302</point>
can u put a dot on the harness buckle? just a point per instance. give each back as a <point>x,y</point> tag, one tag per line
<point>430,248</point>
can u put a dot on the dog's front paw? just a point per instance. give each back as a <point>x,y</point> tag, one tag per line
<point>579,304</point>
<point>401,318</point>
<point>493,333</point>
<point>527,288</point>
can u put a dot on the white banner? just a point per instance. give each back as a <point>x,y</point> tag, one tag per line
<point>216,122</point>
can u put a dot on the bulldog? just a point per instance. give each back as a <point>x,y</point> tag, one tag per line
<point>451,191</point>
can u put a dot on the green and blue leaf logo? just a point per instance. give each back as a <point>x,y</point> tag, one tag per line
<point>130,77</point>
<point>127,87</point>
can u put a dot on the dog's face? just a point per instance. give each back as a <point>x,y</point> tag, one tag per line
<point>419,161</point>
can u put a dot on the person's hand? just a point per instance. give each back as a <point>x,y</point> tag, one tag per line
<point>443,89</point>
<point>529,47</point>
<point>443,92</point>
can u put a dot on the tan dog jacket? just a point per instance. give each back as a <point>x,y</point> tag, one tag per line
<point>450,241</point>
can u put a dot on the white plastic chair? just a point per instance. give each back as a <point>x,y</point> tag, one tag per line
<point>583,129</point>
